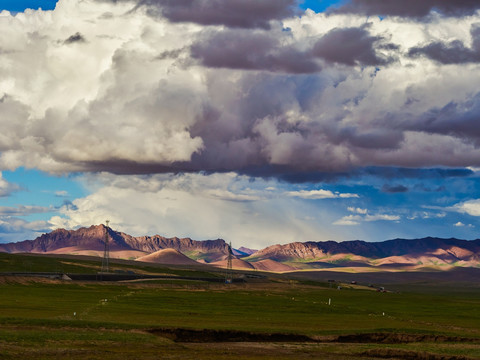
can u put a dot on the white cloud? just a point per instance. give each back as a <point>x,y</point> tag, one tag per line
<point>6,188</point>
<point>357,210</point>
<point>320,194</point>
<point>384,217</point>
<point>460,224</point>
<point>14,229</point>
<point>349,220</point>
<point>101,100</point>
<point>471,207</point>
<point>230,196</point>
<point>363,216</point>
<point>428,215</point>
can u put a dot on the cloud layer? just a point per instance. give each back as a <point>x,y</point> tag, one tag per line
<point>411,8</point>
<point>192,85</point>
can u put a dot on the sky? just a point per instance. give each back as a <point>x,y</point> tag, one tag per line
<point>259,122</point>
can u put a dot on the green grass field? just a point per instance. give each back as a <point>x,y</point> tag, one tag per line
<point>45,319</point>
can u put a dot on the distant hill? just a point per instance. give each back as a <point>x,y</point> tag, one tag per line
<point>434,252</point>
<point>243,251</point>
<point>92,240</point>
<point>398,253</point>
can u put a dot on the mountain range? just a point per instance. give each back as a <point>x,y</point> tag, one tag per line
<point>388,255</point>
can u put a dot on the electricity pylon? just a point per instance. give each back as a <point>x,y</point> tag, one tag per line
<point>106,253</point>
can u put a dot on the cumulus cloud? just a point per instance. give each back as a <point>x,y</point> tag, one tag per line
<point>362,215</point>
<point>470,207</point>
<point>460,224</point>
<point>179,86</point>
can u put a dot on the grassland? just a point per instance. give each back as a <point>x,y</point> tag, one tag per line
<point>47,319</point>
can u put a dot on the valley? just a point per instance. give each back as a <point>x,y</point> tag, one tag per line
<point>188,312</point>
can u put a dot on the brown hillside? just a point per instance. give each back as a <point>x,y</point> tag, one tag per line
<point>169,257</point>
<point>236,264</point>
<point>272,266</point>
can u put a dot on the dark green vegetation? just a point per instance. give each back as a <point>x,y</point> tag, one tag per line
<point>90,265</point>
<point>45,319</point>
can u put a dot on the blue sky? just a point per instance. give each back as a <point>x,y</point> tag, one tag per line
<point>318,5</point>
<point>21,5</point>
<point>205,124</point>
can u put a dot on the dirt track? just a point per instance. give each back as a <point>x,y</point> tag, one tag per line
<point>392,338</point>
<point>409,355</point>
<point>208,335</point>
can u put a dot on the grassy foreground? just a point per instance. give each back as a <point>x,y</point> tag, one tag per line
<point>46,319</point>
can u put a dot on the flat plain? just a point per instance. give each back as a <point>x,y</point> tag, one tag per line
<point>267,316</point>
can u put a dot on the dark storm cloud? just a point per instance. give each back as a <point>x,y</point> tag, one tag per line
<point>454,52</point>
<point>458,119</point>
<point>254,50</point>
<point>394,189</point>
<point>289,175</point>
<point>410,8</point>
<point>410,173</point>
<point>351,46</point>
<point>230,13</point>
<point>381,138</point>
<point>172,54</point>
<point>68,205</point>
<point>422,187</point>
<point>23,210</point>
<point>75,38</point>
<point>251,51</point>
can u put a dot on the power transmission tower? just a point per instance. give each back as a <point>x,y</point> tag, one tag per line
<point>106,254</point>
<point>229,273</point>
